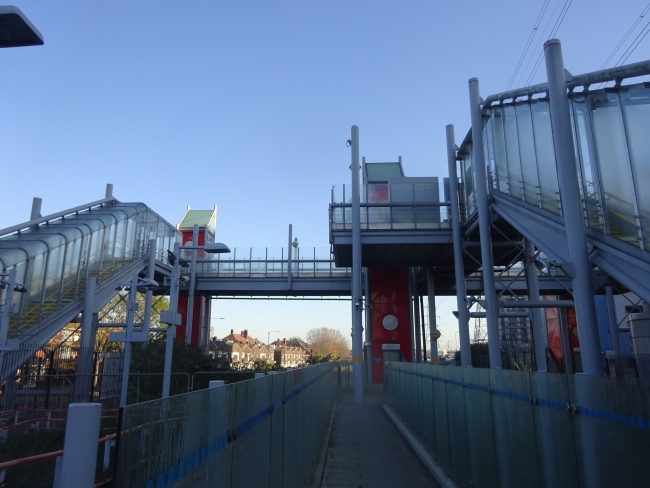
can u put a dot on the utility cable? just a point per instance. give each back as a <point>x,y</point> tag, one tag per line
<point>633,46</point>
<point>556,27</point>
<point>539,42</point>
<point>625,37</point>
<point>533,32</point>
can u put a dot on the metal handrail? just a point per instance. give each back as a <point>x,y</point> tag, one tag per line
<point>47,218</point>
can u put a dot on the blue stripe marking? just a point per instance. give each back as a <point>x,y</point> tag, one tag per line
<point>623,419</point>
<point>191,462</point>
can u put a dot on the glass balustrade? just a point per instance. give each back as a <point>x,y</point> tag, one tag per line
<point>306,262</point>
<point>391,206</point>
<point>611,147</point>
<point>55,259</point>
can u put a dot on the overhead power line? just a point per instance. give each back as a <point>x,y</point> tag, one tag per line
<point>634,45</point>
<point>538,44</point>
<point>625,36</point>
<point>556,27</point>
<point>533,32</point>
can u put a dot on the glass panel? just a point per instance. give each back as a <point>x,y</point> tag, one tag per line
<point>488,138</point>
<point>636,109</point>
<point>337,194</point>
<point>130,251</point>
<point>544,150</point>
<point>253,423</point>
<point>556,441</point>
<point>277,430</point>
<point>527,154</point>
<point>460,466</point>
<point>611,153</point>
<point>512,152</point>
<point>480,427</point>
<point>611,428</point>
<point>513,421</point>
<point>468,183</point>
<point>442,454</point>
<point>119,247</point>
<point>500,154</point>
<point>591,192</point>
<point>53,280</point>
<point>427,410</point>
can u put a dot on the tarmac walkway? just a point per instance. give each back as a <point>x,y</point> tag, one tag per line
<point>367,451</point>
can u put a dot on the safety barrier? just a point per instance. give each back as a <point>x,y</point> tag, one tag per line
<point>490,427</point>
<point>261,432</point>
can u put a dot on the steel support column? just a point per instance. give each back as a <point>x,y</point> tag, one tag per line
<point>357,298</point>
<point>480,181</point>
<point>572,211</point>
<point>459,269</point>
<point>148,297</point>
<point>86,343</point>
<point>289,256</point>
<point>433,326</point>
<point>171,328</point>
<point>536,314</point>
<point>192,287</point>
<point>415,309</point>
<point>613,330</point>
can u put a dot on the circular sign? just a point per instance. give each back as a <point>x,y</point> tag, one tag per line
<point>389,322</point>
<point>435,334</point>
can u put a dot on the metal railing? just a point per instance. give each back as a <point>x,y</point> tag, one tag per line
<point>270,263</point>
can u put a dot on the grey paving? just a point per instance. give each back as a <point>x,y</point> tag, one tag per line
<point>367,451</point>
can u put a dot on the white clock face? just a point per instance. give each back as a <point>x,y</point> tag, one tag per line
<point>389,322</point>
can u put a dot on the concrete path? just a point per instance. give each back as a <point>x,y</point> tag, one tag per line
<point>367,451</point>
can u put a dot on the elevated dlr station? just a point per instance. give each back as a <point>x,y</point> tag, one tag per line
<point>540,229</point>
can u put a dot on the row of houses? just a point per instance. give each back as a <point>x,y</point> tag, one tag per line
<point>243,351</point>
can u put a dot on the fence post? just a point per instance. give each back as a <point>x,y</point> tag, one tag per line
<point>80,447</point>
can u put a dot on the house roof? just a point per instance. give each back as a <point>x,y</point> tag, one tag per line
<point>204,218</point>
<point>241,338</point>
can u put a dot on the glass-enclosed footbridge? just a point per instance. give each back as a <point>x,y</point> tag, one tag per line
<point>51,258</point>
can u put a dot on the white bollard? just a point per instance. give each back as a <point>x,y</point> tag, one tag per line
<point>217,383</point>
<point>80,447</point>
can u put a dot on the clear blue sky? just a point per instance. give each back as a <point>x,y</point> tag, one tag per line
<point>247,105</point>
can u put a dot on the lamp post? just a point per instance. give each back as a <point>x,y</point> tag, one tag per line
<point>16,30</point>
<point>293,244</point>
<point>171,316</point>
<point>214,318</point>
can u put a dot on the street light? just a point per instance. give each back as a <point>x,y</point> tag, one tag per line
<point>171,317</point>
<point>16,30</point>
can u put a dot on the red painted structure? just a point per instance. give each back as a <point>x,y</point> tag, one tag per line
<point>206,220</point>
<point>553,325</point>
<point>389,295</point>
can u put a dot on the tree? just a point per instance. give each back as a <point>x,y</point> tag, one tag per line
<point>324,341</point>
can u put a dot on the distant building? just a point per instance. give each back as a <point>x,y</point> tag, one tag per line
<point>289,354</point>
<point>241,351</point>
